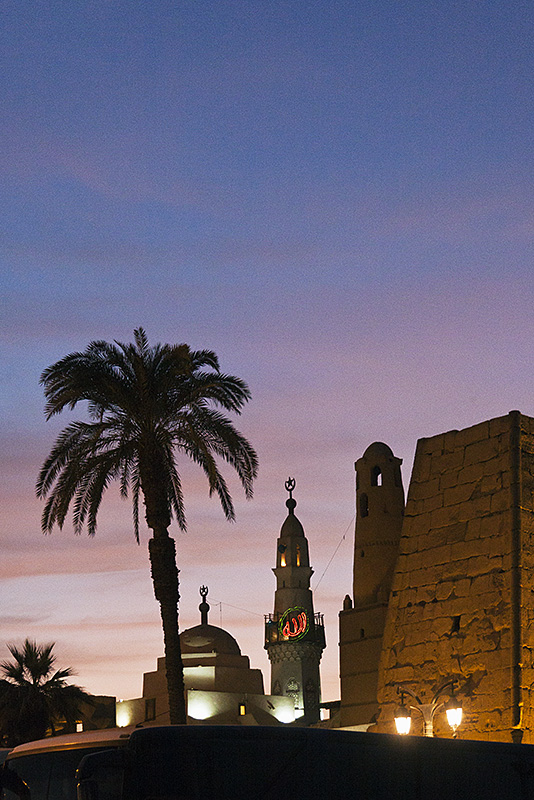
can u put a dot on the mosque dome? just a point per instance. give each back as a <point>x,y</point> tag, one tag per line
<point>377,450</point>
<point>207,638</point>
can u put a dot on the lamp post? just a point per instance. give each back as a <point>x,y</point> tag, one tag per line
<point>453,709</point>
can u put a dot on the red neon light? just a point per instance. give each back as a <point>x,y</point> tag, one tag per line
<point>299,626</point>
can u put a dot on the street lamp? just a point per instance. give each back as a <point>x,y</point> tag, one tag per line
<point>403,717</point>
<point>453,709</point>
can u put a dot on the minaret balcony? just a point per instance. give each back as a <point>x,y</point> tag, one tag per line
<point>294,627</point>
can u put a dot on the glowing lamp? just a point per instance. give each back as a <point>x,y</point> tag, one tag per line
<point>453,709</point>
<point>200,705</point>
<point>403,718</point>
<point>285,715</point>
<point>123,715</point>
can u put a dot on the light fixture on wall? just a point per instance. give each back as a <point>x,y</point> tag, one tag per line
<point>453,710</point>
<point>403,717</point>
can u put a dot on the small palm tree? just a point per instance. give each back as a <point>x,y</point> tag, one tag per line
<point>145,405</point>
<point>33,698</point>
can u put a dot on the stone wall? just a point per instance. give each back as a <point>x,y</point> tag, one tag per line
<point>461,600</point>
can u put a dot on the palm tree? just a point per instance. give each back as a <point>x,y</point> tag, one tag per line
<point>33,699</point>
<point>145,405</point>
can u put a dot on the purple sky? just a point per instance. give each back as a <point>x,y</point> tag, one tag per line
<point>337,197</point>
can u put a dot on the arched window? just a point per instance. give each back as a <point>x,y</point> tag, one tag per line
<point>376,476</point>
<point>364,505</point>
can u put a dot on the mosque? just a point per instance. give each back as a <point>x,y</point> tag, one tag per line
<point>221,687</point>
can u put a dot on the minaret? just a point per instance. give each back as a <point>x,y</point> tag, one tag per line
<point>294,634</point>
<point>379,517</point>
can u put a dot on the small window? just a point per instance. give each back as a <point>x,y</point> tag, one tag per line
<point>376,476</point>
<point>364,505</point>
<point>242,709</point>
<point>150,708</point>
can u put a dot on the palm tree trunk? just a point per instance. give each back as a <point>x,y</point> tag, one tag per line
<point>162,552</point>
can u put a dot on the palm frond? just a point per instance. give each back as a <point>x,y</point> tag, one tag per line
<point>147,403</point>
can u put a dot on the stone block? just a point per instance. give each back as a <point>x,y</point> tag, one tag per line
<point>422,467</point>
<point>481,584</point>
<point>415,508</point>
<point>494,525</point>
<point>462,587</point>
<point>500,501</point>
<point>407,598</point>
<point>475,433</point>
<point>447,515</point>
<point>447,461</point>
<point>435,537</point>
<point>455,570</point>
<point>448,479</point>
<point>478,565</point>
<point>432,445</point>
<point>473,527</point>
<point>491,483</point>
<point>404,674</point>
<point>499,426</point>
<point>417,634</point>
<point>431,558</point>
<point>422,491</point>
<point>500,463</point>
<point>478,507</point>
<point>450,441</point>
<point>408,543</point>
<point>444,590</point>
<point>442,627</point>
<point>431,503</point>
<point>479,452</point>
<point>461,551</point>
<point>433,574</point>
<point>413,527</point>
<point>416,654</point>
<point>455,533</point>
<point>459,494</point>
<point>469,474</point>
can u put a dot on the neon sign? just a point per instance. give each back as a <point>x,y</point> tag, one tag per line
<point>294,623</point>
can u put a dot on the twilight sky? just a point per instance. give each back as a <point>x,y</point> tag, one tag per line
<point>336,196</point>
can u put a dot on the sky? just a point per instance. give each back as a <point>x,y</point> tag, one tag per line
<point>336,196</point>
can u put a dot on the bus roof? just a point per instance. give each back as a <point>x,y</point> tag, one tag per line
<point>108,737</point>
